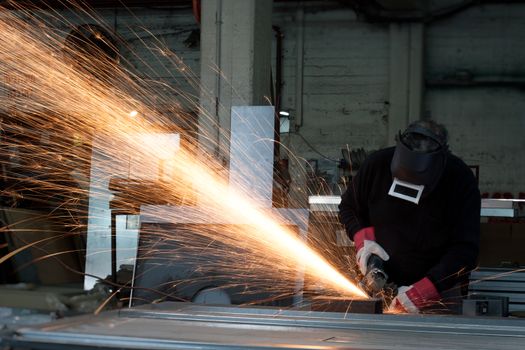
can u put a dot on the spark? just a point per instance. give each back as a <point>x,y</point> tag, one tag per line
<point>82,96</point>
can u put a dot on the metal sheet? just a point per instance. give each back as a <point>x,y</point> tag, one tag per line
<point>189,326</point>
<point>368,306</point>
<point>251,152</point>
<point>498,212</point>
<point>103,167</point>
<point>324,203</point>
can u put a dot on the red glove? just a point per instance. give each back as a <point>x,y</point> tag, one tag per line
<point>415,298</point>
<point>365,245</point>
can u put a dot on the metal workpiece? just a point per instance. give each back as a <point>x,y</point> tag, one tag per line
<point>193,326</point>
<point>324,203</point>
<point>489,207</point>
<point>509,208</point>
<point>357,306</point>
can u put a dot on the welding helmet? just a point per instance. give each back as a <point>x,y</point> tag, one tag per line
<point>418,162</point>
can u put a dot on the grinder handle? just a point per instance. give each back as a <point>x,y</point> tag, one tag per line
<point>374,262</point>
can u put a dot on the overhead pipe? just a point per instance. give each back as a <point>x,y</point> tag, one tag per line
<point>196,8</point>
<point>299,18</point>
<point>278,89</point>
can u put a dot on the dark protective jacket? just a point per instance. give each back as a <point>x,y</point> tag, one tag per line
<point>437,238</point>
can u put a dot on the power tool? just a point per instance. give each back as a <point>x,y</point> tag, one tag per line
<point>375,278</point>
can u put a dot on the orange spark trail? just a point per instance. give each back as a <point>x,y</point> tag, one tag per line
<point>270,234</point>
<point>117,106</point>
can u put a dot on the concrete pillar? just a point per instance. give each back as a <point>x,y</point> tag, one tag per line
<point>406,76</point>
<point>236,39</point>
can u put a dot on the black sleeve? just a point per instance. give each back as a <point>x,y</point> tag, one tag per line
<point>462,253</point>
<point>353,210</point>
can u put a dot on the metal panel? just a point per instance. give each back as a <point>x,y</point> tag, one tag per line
<point>190,326</point>
<point>251,152</point>
<point>499,207</point>
<point>500,282</point>
<point>500,286</point>
<point>324,203</point>
<point>103,167</point>
<point>491,274</point>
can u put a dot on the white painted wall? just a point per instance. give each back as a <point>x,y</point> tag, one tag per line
<point>345,79</point>
<point>345,85</point>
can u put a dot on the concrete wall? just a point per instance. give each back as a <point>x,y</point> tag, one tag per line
<point>346,78</point>
<point>485,115</point>
<point>345,86</point>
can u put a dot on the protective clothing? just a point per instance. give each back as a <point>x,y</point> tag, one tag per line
<point>365,245</point>
<point>414,298</point>
<point>419,165</point>
<point>438,238</point>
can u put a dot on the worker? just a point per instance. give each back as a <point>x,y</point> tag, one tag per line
<point>417,207</point>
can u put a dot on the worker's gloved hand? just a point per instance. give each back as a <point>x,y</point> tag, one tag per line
<point>365,245</point>
<point>415,298</point>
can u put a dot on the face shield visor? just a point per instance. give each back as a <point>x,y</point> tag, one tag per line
<point>417,165</point>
